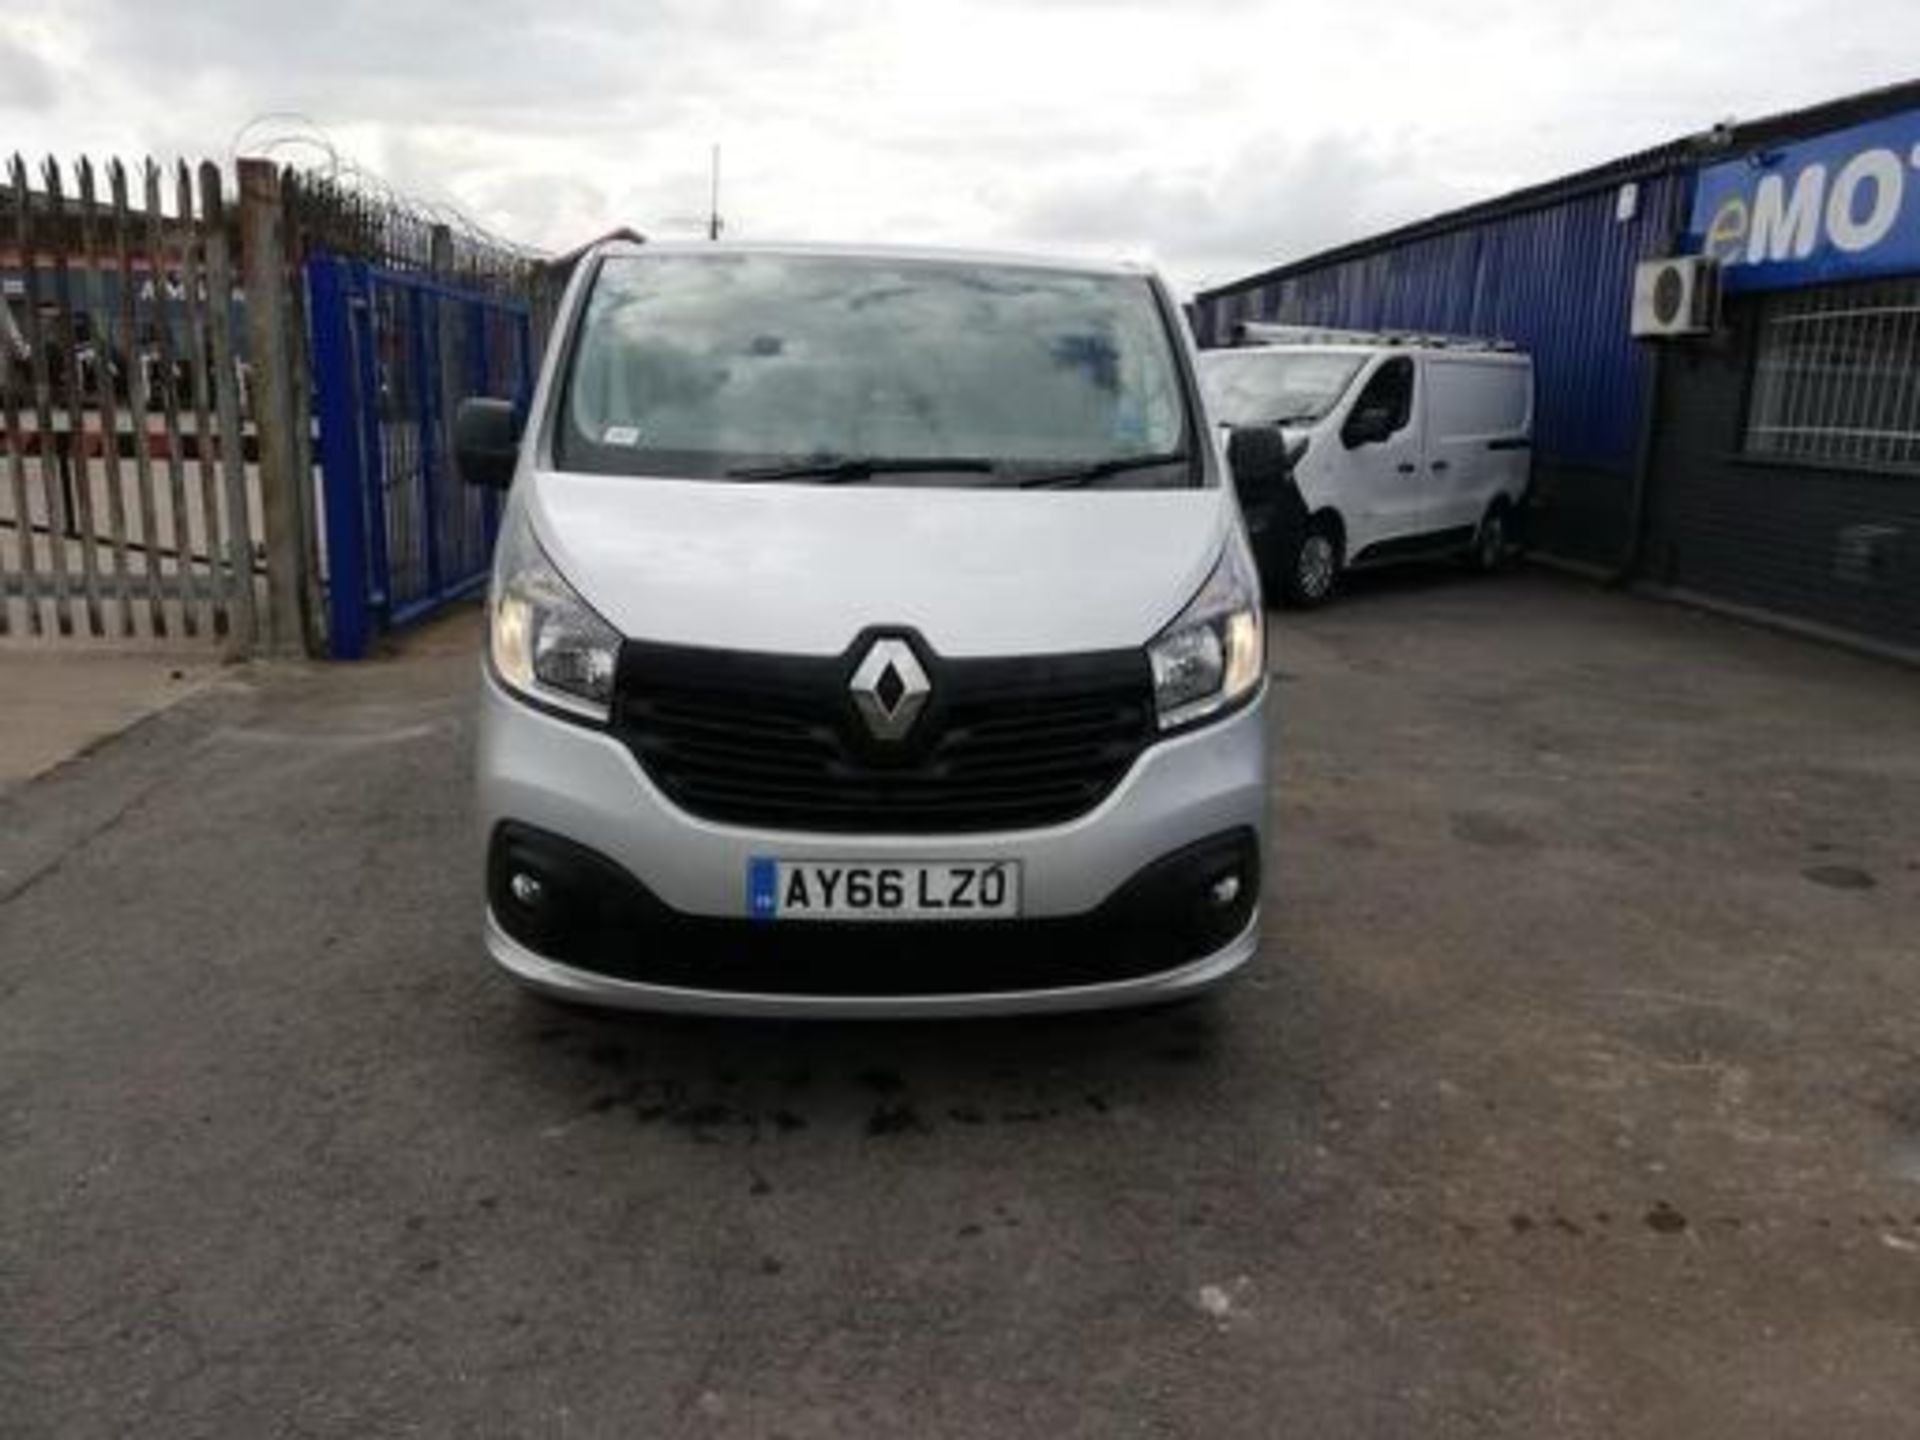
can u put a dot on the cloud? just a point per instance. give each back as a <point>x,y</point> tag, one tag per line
<point>1222,135</point>
<point>519,202</point>
<point>26,82</point>
<point>1272,199</point>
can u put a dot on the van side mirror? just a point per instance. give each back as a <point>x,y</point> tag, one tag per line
<point>1259,457</point>
<point>486,441</point>
<point>1368,425</point>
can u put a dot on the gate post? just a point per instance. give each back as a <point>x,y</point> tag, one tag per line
<point>343,477</point>
<point>265,280</point>
<point>224,380</point>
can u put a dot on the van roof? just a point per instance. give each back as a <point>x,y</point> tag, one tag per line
<point>1271,332</point>
<point>1431,352</point>
<point>1072,264</point>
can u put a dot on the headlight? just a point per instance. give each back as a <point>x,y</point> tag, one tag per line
<point>546,641</point>
<point>1212,656</point>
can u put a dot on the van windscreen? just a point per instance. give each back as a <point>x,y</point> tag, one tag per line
<point>1274,387</point>
<point>755,366</point>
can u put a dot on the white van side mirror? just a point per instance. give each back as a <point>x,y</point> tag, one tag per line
<point>1368,425</point>
<point>1259,457</point>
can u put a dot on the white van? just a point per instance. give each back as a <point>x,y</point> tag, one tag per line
<point>871,632</point>
<point>1402,446</point>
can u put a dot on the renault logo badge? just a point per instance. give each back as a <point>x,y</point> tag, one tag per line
<point>890,689</point>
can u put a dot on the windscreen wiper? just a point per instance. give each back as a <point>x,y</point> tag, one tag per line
<point>1071,477</point>
<point>848,469</point>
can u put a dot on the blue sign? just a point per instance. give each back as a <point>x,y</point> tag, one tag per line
<point>763,880</point>
<point>1841,206</point>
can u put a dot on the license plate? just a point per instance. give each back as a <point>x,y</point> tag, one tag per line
<point>857,890</point>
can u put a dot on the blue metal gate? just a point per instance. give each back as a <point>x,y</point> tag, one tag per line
<point>394,353</point>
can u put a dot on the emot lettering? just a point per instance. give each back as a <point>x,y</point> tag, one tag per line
<point>1837,207</point>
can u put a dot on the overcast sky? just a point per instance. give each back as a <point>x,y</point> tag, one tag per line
<point>1220,136</point>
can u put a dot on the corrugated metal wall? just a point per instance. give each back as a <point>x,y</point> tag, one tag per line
<point>1558,281</point>
<point>1823,543</point>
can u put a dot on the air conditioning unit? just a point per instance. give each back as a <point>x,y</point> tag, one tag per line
<point>1679,295</point>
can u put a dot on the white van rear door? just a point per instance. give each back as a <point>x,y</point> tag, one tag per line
<point>1513,451</point>
<point>1477,408</point>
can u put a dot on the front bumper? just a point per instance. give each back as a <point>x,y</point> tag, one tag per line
<point>563,982</point>
<point>544,776</point>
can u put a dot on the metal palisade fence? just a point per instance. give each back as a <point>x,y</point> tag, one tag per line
<point>184,441</point>
<point>129,502</point>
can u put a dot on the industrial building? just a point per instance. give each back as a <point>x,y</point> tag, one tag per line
<point>1757,445</point>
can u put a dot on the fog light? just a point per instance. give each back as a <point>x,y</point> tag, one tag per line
<point>526,889</point>
<point>1224,891</point>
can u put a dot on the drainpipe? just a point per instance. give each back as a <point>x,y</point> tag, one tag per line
<point>1679,201</point>
<point>1629,563</point>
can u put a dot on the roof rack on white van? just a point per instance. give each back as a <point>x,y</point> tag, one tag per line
<point>1261,332</point>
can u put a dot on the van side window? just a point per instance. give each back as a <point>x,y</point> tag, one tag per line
<point>1390,389</point>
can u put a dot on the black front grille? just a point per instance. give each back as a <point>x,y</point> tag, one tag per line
<point>775,740</point>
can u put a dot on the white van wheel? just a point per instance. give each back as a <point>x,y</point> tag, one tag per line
<point>1316,565</point>
<point>1490,541</point>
